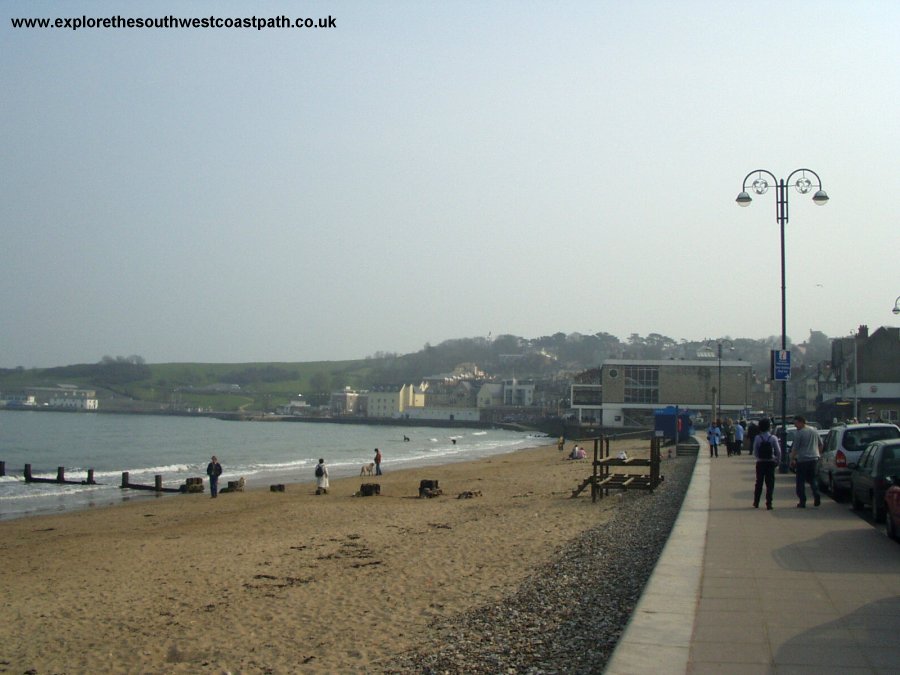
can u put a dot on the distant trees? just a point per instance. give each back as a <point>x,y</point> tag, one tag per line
<point>134,359</point>
<point>108,372</point>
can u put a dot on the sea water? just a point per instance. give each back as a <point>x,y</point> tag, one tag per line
<point>177,448</point>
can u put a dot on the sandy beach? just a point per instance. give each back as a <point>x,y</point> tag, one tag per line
<point>266,582</point>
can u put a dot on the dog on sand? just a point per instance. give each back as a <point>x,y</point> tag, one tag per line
<point>367,469</point>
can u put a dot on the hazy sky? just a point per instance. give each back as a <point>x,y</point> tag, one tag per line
<point>427,171</point>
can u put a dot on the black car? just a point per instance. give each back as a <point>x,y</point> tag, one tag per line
<point>868,480</point>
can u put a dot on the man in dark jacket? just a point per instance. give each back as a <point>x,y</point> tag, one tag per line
<point>214,470</point>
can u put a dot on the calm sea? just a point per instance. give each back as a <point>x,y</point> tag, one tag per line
<point>180,447</point>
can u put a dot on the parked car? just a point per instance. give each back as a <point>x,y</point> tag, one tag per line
<point>868,480</point>
<point>892,507</point>
<point>843,447</point>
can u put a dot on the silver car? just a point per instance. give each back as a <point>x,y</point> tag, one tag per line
<point>843,447</point>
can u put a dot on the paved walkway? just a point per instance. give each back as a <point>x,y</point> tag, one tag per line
<point>744,590</point>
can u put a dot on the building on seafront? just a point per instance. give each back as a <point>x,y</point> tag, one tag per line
<point>61,397</point>
<point>625,393</point>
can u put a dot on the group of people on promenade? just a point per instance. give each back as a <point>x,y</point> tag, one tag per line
<point>766,449</point>
<point>804,455</point>
<point>729,433</point>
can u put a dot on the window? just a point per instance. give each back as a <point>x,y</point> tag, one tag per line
<point>889,416</point>
<point>641,384</point>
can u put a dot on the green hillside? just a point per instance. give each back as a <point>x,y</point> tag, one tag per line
<point>217,386</point>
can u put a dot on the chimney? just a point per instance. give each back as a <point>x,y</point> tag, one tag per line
<point>863,332</point>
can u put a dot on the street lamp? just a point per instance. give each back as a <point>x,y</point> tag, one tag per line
<point>803,185</point>
<point>896,309</point>
<point>719,345</point>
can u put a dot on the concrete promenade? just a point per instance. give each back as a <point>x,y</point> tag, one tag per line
<point>744,590</point>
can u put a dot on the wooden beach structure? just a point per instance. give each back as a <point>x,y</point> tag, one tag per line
<point>157,484</point>
<point>603,478</point>
<point>190,484</point>
<point>60,476</point>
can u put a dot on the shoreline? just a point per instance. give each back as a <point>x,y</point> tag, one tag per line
<point>285,582</point>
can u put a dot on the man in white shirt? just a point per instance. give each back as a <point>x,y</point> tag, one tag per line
<point>804,455</point>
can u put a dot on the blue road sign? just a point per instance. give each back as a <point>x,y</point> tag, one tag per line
<point>781,365</point>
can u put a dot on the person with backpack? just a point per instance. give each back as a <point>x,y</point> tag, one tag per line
<point>321,478</point>
<point>767,453</point>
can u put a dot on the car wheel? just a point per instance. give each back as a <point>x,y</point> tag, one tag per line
<point>832,488</point>
<point>891,527</point>
<point>878,511</point>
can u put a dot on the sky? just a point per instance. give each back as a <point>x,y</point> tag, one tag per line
<point>424,171</point>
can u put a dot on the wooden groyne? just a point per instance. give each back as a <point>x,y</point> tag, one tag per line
<point>156,487</point>
<point>190,484</point>
<point>60,477</point>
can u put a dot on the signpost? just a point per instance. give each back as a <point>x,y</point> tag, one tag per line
<point>781,365</point>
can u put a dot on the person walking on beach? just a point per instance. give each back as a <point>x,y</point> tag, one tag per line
<point>321,478</point>
<point>804,457</point>
<point>768,454</point>
<point>214,470</point>
<point>713,433</point>
<point>377,462</point>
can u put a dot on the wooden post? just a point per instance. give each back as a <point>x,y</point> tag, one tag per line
<point>654,462</point>
<point>2,468</point>
<point>124,479</point>
<point>157,481</point>
<point>28,473</point>
<point>90,477</point>
<point>594,485</point>
<point>60,474</point>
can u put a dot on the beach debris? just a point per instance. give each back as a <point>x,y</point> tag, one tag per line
<point>369,489</point>
<point>192,485</point>
<point>469,494</point>
<point>277,488</point>
<point>429,488</point>
<point>234,486</point>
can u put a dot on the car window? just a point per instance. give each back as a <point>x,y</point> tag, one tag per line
<point>866,457</point>
<point>890,466</point>
<point>857,439</point>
